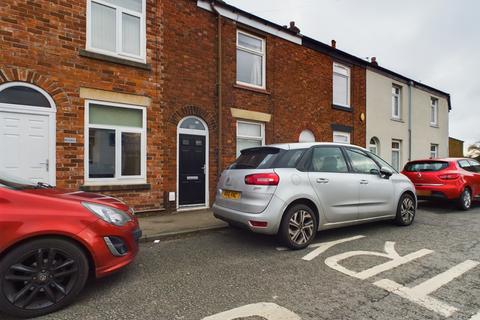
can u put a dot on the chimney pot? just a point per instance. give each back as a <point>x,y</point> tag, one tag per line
<point>334,44</point>
<point>374,61</point>
<point>293,27</point>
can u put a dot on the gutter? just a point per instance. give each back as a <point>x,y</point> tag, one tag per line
<point>410,85</point>
<point>219,88</point>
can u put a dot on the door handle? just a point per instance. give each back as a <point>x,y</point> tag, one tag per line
<point>363,181</point>
<point>322,180</point>
<point>46,164</point>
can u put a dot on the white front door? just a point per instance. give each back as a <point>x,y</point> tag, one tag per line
<point>25,145</point>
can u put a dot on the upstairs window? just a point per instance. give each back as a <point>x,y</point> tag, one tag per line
<point>396,102</point>
<point>250,60</point>
<point>341,85</point>
<point>117,27</point>
<point>434,112</point>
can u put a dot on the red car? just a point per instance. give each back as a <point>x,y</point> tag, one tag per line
<point>52,240</point>
<point>455,179</point>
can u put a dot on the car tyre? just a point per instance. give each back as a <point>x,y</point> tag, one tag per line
<point>465,200</point>
<point>406,210</point>
<point>299,227</point>
<point>41,276</point>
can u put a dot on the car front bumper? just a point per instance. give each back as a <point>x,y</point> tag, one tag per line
<point>272,215</point>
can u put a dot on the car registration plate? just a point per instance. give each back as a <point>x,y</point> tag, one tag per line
<point>233,195</point>
<point>424,193</point>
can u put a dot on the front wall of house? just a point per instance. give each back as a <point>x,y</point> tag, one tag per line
<point>381,125</point>
<point>40,43</point>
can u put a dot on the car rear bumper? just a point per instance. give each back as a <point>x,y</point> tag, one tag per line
<point>444,192</point>
<point>272,215</point>
<point>104,258</point>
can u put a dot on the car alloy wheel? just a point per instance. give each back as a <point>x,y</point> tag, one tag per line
<point>467,199</point>
<point>301,227</point>
<point>40,279</point>
<point>407,210</point>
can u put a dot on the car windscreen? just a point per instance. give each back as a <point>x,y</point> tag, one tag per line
<point>426,166</point>
<point>256,158</point>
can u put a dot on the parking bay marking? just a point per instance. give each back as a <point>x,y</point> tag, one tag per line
<point>324,246</point>
<point>268,311</point>
<point>476,317</point>
<point>420,293</point>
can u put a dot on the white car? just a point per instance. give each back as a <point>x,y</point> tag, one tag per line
<point>294,190</point>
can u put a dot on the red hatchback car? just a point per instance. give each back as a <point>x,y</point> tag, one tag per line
<point>456,179</point>
<point>52,240</point>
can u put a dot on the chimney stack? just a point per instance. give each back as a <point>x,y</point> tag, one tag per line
<point>293,27</point>
<point>374,61</point>
<point>334,44</point>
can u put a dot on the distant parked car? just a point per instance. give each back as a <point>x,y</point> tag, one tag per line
<point>51,240</point>
<point>453,179</point>
<point>294,190</point>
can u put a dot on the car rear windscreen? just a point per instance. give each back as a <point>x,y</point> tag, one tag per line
<point>256,158</point>
<point>429,166</point>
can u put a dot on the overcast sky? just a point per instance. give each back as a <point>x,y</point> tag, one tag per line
<point>436,42</point>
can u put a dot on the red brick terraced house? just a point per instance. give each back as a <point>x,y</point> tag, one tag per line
<point>148,100</point>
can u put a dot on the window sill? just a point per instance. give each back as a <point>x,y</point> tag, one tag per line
<point>120,187</point>
<point>254,89</point>
<point>397,120</point>
<point>112,59</point>
<point>342,108</point>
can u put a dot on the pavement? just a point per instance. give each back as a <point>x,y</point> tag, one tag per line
<point>172,225</point>
<point>347,274</point>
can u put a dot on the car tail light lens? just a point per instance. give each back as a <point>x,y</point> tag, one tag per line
<point>450,176</point>
<point>263,179</point>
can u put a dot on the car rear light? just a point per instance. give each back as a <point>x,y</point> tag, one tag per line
<point>258,224</point>
<point>263,179</point>
<point>450,176</point>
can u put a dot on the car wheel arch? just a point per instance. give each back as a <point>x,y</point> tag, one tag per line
<point>305,201</point>
<point>86,251</point>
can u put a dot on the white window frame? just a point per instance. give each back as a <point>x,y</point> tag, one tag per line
<point>118,179</point>
<point>239,136</point>
<point>399,150</point>
<point>347,73</point>
<point>399,97</point>
<point>434,151</point>
<point>342,134</point>
<point>375,145</point>
<point>118,27</point>
<point>434,111</point>
<point>263,54</point>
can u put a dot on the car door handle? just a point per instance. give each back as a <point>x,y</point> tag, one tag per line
<point>322,180</point>
<point>363,181</point>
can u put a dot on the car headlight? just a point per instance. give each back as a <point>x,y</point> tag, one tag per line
<point>108,214</point>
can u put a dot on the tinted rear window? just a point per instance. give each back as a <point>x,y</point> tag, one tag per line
<point>256,158</point>
<point>429,166</point>
<point>289,159</point>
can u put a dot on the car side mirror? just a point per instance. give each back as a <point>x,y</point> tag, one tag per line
<point>386,172</point>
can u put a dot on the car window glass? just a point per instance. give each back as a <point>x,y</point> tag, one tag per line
<point>289,159</point>
<point>465,165</point>
<point>328,159</point>
<point>381,162</point>
<point>426,166</point>
<point>361,163</point>
<point>475,165</point>
<point>255,158</point>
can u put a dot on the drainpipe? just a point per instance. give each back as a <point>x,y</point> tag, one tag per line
<point>410,85</point>
<point>219,87</point>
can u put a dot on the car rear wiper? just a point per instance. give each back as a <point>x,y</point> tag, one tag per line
<point>44,185</point>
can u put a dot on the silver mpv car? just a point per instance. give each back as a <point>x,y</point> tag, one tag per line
<point>294,190</point>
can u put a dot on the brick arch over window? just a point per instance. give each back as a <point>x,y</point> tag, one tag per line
<point>57,93</point>
<point>194,111</point>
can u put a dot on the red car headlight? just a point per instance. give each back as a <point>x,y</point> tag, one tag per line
<point>108,214</point>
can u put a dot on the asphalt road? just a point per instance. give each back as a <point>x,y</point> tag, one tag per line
<point>202,275</point>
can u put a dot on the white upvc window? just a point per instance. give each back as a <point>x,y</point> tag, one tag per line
<point>434,112</point>
<point>396,102</point>
<point>374,146</point>
<point>341,137</point>
<point>117,28</point>
<point>251,60</point>
<point>396,154</point>
<point>249,135</point>
<point>341,85</point>
<point>433,151</point>
<point>115,143</point>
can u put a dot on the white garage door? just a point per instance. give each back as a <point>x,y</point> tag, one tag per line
<point>24,145</point>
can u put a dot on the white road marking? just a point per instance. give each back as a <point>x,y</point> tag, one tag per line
<point>476,317</point>
<point>420,293</point>
<point>396,260</point>
<point>322,247</point>
<point>269,311</point>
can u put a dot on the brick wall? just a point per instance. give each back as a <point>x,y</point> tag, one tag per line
<point>40,42</point>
